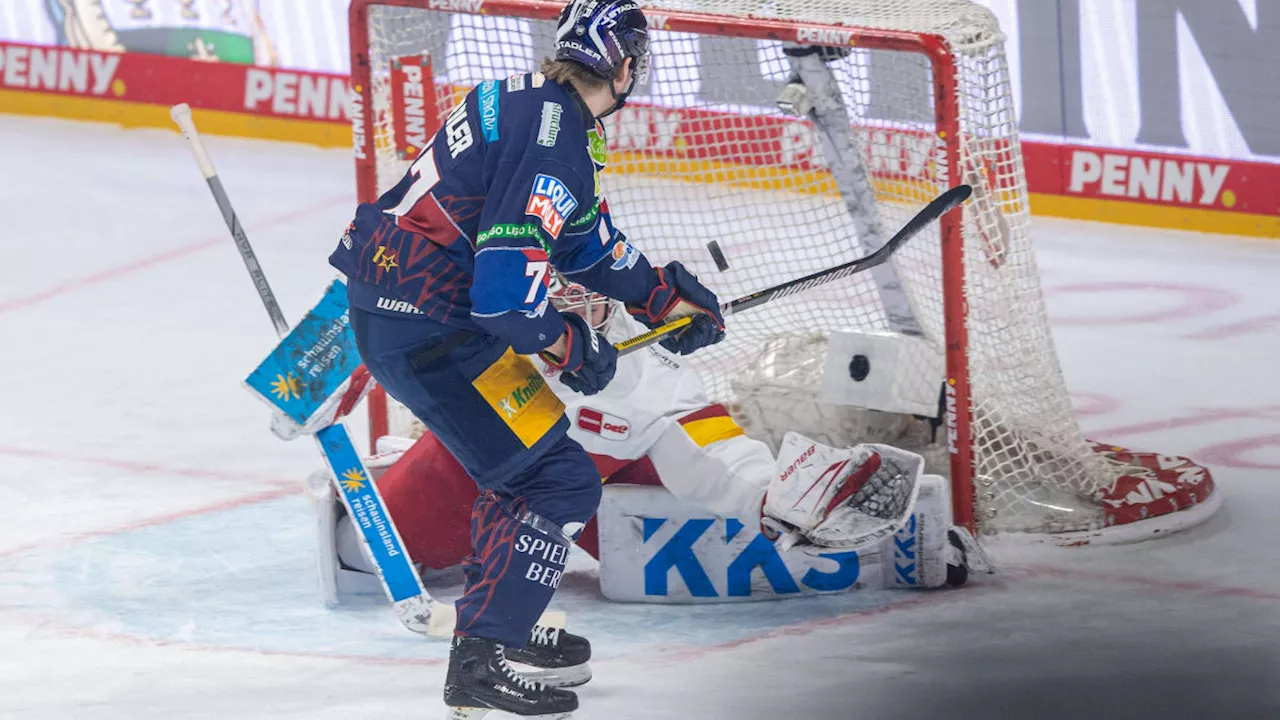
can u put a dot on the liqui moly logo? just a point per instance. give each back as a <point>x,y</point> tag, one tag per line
<point>953,435</point>
<point>551,202</point>
<point>609,427</point>
<point>824,36</point>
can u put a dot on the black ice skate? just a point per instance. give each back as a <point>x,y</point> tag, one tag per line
<point>560,656</point>
<point>480,680</point>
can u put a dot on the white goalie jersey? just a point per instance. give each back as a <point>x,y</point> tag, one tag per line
<point>657,407</point>
<point>650,392</point>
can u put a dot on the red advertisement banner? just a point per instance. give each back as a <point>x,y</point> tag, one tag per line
<point>141,78</point>
<point>414,115</point>
<point>1153,178</point>
<point>1158,188</point>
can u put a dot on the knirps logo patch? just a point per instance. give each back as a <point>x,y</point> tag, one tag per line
<point>551,202</point>
<point>609,427</point>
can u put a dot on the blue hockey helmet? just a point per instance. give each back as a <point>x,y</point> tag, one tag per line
<point>600,34</point>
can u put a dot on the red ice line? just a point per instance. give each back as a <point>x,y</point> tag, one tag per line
<point>37,623</point>
<point>1244,327</point>
<point>1198,417</point>
<point>131,465</point>
<point>264,496</point>
<point>279,488</point>
<point>157,259</point>
<point>1192,586</point>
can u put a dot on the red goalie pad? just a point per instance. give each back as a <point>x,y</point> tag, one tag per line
<point>429,496</point>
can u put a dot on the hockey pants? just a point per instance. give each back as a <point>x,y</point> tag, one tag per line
<point>493,411</point>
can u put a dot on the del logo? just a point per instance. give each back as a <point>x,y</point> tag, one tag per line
<point>513,404</point>
<point>609,427</point>
<point>760,553</point>
<point>551,202</point>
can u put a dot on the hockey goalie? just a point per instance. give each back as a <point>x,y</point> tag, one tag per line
<point>654,426</point>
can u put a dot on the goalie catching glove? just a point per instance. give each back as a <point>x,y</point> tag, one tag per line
<point>840,498</point>
<point>677,295</point>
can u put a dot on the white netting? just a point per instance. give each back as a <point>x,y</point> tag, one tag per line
<point>703,153</point>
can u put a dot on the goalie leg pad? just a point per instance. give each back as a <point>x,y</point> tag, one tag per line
<point>918,554</point>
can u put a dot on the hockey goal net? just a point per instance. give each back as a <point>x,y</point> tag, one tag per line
<point>703,152</point>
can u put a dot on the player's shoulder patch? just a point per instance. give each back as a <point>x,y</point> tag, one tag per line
<point>624,255</point>
<point>551,202</point>
<point>597,145</point>
<point>489,106</point>
<point>549,125</point>
<point>516,83</point>
<point>537,79</point>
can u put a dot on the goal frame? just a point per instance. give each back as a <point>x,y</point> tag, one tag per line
<point>935,48</point>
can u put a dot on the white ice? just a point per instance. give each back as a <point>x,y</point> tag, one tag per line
<point>156,556</point>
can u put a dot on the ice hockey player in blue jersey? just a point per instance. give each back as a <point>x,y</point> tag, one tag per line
<point>448,275</point>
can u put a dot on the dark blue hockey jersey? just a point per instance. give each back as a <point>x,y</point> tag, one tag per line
<point>507,189</point>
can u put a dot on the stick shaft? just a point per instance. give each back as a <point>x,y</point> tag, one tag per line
<point>181,115</point>
<point>412,603</point>
<point>936,208</point>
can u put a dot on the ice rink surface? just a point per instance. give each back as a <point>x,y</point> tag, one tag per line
<point>156,556</point>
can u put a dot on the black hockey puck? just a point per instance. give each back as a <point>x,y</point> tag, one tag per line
<point>859,367</point>
<point>713,247</point>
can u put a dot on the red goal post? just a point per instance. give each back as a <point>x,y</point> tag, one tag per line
<point>1013,450</point>
<point>933,47</point>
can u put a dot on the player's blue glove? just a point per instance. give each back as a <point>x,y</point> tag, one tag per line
<point>589,360</point>
<point>676,285</point>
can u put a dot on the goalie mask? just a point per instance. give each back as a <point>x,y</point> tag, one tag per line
<point>568,296</point>
<point>599,35</point>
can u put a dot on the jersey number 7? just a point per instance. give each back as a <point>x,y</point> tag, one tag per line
<point>425,176</point>
<point>536,269</point>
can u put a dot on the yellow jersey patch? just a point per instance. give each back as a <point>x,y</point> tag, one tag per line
<point>518,393</point>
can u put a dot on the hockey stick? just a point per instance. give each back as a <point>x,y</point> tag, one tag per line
<point>938,207</point>
<point>414,606</point>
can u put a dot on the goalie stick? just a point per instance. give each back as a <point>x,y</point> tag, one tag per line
<point>817,97</point>
<point>938,207</point>
<point>413,605</point>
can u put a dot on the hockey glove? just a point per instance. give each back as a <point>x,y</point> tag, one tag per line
<point>589,360</point>
<point>679,294</point>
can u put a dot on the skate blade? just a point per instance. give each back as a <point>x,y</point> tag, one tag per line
<point>476,713</point>
<point>566,677</point>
